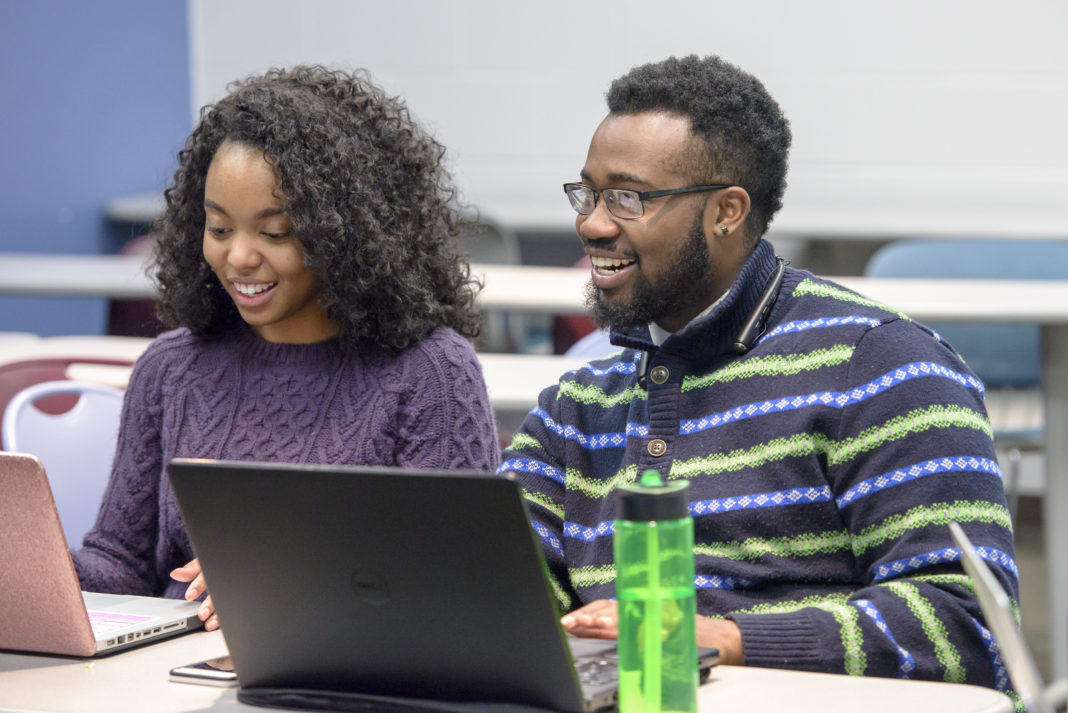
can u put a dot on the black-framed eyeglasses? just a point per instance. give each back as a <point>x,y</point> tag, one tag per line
<point>623,203</point>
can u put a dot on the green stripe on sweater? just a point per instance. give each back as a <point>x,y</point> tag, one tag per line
<point>816,543</point>
<point>964,582</point>
<point>802,444</point>
<point>596,396</point>
<point>940,514</point>
<point>934,629</point>
<point>957,580</point>
<point>523,440</point>
<point>803,545</point>
<point>922,419</point>
<point>561,596</point>
<point>774,365</point>
<point>805,444</point>
<point>596,488</point>
<point>592,576</point>
<point>816,289</point>
<point>545,501</point>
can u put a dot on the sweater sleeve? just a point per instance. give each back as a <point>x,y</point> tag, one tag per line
<point>902,466</point>
<point>119,554</point>
<point>445,419</point>
<point>536,459</point>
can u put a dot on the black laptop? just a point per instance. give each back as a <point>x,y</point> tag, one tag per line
<point>403,584</point>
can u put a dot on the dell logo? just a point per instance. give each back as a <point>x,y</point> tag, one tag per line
<point>370,587</point>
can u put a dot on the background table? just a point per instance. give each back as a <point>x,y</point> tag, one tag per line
<point>556,290</point>
<point>136,681</point>
<point>513,381</point>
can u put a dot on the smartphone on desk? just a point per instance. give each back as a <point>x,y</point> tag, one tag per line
<point>213,672</point>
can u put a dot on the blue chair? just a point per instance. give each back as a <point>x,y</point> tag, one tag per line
<point>76,445</point>
<point>1005,356</point>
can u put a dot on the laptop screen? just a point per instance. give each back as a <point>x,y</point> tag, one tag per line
<point>997,610</point>
<point>381,580</point>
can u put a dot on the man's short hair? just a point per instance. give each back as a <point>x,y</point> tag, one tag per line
<point>745,135</point>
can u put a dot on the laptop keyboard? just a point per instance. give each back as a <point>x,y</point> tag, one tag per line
<point>597,672</point>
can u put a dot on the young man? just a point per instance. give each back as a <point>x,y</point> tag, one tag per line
<point>827,443</point>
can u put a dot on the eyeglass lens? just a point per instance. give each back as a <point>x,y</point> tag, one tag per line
<point>620,202</point>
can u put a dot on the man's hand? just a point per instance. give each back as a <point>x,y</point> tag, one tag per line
<point>600,620</point>
<point>596,620</point>
<point>722,634</point>
<point>190,572</point>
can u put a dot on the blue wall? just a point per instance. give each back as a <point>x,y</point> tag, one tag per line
<point>94,103</point>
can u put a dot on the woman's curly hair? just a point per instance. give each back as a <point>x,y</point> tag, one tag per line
<point>745,135</point>
<point>365,192</point>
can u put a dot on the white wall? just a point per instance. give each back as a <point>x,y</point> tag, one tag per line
<point>909,117</point>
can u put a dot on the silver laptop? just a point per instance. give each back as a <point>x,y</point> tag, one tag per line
<point>42,607</point>
<point>997,609</point>
<point>385,583</point>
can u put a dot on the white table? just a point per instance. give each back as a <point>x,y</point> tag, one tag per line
<point>547,290</point>
<point>136,681</point>
<point>118,276</point>
<point>544,290</point>
<point>560,290</point>
<point>513,381</point>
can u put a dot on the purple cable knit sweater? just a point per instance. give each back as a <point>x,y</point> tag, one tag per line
<point>237,397</point>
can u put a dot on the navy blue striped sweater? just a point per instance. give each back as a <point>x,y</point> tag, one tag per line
<point>824,466</point>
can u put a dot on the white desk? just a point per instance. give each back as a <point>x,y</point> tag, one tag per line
<point>15,346</point>
<point>560,290</point>
<point>544,290</point>
<point>513,381</point>
<point>136,681</point>
<point>118,276</point>
<point>548,290</point>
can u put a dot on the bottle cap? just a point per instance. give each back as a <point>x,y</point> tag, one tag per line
<point>652,499</point>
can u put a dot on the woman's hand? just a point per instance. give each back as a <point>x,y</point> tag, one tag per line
<point>600,620</point>
<point>190,572</point>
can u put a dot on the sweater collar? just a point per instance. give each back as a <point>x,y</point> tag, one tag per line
<point>713,331</point>
<point>265,352</point>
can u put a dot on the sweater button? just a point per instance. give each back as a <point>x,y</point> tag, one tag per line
<point>659,374</point>
<point>657,447</point>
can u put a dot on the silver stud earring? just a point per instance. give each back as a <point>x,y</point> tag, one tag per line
<point>724,229</point>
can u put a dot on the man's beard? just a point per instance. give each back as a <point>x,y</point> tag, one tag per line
<point>671,293</point>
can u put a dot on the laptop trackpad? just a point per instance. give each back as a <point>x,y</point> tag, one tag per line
<point>581,648</point>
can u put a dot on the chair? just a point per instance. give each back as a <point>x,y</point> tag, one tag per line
<point>570,329</point>
<point>1004,356</point>
<point>135,317</point>
<point>76,446</point>
<point>26,371</point>
<point>489,242</point>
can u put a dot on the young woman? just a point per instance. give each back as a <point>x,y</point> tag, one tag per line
<point>307,257</point>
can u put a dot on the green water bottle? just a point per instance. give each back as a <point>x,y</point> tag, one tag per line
<point>653,547</point>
